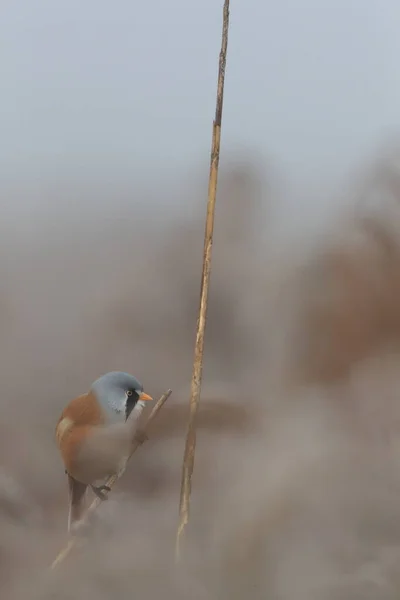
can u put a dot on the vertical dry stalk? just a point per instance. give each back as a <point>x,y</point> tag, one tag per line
<point>188,460</point>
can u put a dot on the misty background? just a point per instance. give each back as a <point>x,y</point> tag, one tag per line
<point>94,93</point>
<point>106,117</point>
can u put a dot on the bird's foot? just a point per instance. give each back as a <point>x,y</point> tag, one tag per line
<point>99,491</point>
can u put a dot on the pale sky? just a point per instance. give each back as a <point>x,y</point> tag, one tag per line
<point>119,89</point>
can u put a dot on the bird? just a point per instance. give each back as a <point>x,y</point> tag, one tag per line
<point>94,436</point>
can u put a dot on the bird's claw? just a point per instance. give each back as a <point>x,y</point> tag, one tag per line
<point>99,491</point>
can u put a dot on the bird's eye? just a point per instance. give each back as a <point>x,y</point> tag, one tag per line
<point>129,393</point>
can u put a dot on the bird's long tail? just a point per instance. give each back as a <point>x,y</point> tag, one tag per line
<point>77,493</point>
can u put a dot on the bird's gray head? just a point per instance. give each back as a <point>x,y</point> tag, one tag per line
<point>119,393</point>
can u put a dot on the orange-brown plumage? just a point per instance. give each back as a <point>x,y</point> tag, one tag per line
<point>74,424</point>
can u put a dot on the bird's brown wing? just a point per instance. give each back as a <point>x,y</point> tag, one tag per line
<point>74,424</point>
<point>77,491</point>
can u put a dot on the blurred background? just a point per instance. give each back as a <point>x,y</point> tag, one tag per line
<point>106,117</point>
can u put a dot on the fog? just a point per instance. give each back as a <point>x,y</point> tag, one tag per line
<point>104,167</point>
<point>295,490</point>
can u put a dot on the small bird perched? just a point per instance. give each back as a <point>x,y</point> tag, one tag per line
<point>94,435</point>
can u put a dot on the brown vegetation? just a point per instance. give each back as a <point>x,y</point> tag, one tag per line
<point>296,487</point>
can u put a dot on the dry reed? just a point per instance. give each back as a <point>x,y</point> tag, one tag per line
<point>190,446</point>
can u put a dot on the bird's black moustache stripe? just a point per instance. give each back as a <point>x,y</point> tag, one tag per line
<point>131,402</point>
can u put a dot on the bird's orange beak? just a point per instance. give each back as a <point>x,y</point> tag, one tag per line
<point>145,397</point>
